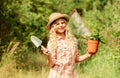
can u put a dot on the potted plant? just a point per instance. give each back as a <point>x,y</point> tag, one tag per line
<point>93,42</point>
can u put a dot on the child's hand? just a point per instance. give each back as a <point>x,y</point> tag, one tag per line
<point>45,50</point>
<point>89,54</point>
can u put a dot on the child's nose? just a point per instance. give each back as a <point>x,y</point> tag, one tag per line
<point>60,24</point>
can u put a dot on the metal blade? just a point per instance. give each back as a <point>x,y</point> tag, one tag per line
<point>36,41</point>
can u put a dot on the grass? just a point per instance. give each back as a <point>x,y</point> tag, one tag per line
<point>8,68</point>
<point>8,64</point>
<point>102,65</point>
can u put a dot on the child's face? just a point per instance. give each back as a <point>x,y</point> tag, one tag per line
<point>60,26</point>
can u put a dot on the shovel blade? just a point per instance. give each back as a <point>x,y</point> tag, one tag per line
<point>36,41</point>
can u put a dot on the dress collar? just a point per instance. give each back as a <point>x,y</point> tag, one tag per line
<point>60,37</point>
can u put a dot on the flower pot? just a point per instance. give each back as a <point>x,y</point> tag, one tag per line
<point>92,46</point>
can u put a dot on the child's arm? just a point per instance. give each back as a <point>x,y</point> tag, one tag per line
<point>47,53</point>
<point>82,57</point>
<point>50,61</point>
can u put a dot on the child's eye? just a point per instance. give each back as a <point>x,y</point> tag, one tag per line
<point>63,23</point>
<point>57,24</point>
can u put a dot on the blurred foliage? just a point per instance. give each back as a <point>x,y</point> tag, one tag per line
<point>19,19</point>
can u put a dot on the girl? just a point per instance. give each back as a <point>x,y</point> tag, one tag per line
<point>62,51</point>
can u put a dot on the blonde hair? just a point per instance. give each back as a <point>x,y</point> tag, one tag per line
<point>70,39</point>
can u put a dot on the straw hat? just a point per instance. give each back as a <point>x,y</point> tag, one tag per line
<point>55,16</point>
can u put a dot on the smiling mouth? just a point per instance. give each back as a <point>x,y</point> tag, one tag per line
<point>61,28</point>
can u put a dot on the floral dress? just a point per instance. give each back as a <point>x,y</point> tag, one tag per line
<point>64,61</point>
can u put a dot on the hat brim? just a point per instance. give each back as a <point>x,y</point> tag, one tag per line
<point>55,18</point>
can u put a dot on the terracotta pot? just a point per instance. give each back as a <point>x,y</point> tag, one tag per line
<point>92,46</point>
